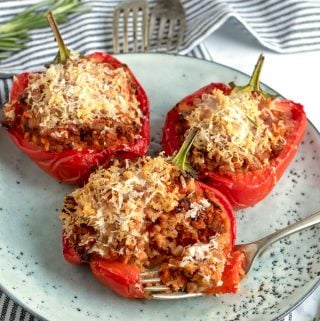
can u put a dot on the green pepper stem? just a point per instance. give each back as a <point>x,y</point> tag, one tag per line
<point>180,159</point>
<point>64,52</point>
<point>254,82</point>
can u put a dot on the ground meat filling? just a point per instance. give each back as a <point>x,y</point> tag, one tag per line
<point>238,132</point>
<point>148,213</point>
<point>82,103</point>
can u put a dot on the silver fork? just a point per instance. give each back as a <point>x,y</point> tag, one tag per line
<point>169,16</point>
<point>5,75</point>
<point>137,9</point>
<point>251,250</point>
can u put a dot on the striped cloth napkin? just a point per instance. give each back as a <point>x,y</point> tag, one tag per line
<point>284,26</point>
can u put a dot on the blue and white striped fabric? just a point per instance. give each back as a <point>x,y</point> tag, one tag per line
<point>281,25</point>
<point>284,26</point>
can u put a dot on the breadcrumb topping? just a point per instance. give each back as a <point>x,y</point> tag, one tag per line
<point>114,200</point>
<point>237,130</point>
<point>79,92</point>
<point>79,103</point>
<point>142,212</point>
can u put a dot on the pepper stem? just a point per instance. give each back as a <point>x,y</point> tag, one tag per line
<point>180,159</point>
<point>254,82</point>
<point>64,52</point>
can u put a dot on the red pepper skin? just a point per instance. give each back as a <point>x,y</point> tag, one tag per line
<point>70,254</point>
<point>120,277</point>
<point>124,278</point>
<point>245,188</point>
<point>232,275</point>
<point>75,166</point>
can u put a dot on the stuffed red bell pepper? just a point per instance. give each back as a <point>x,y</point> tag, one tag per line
<point>247,137</point>
<point>149,213</point>
<point>78,114</point>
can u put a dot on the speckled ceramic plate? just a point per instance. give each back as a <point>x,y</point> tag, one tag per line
<point>34,273</point>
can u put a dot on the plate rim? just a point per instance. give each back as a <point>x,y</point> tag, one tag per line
<point>34,313</point>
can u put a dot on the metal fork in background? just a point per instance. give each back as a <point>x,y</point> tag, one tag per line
<point>138,10</point>
<point>151,279</point>
<point>167,21</point>
<point>6,75</point>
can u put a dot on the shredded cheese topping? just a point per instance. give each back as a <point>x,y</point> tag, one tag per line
<point>137,210</point>
<point>196,208</point>
<point>205,262</point>
<point>80,92</point>
<point>199,252</point>
<point>233,129</point>
<point>115,199</point>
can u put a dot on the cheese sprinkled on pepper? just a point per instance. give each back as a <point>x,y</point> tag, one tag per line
<point>145,211</point>
<point>80,92</point>
<point>235,129</point>
<point>115,199</point>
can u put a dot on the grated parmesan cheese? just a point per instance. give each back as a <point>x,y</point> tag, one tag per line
<point>196,208</point>
<point>80,92</point>
<point>232,131</point>
<point>114,200</point>
<point>199,252</point>
<point>147,211</point>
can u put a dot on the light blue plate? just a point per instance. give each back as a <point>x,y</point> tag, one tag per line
<point>34,273</point>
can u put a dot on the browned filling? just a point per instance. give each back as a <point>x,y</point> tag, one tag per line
<point>189,244</point>
<point>279,122</point>
<point>83,104</point>
<point>77,137</point>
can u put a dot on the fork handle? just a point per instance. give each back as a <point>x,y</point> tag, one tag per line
<point>293,228</point>
<point>6,75</point>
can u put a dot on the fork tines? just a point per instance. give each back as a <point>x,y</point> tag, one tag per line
<point>167,25</point>
<point>133,16</point>
<point>152,283</point>
<point>150,279</point>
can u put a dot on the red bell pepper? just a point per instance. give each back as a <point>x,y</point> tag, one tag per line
<point>120,277</point>
<point>124,278</point>
<point>232,274</point>
<point>75,166</point>
<point>243,188</point>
